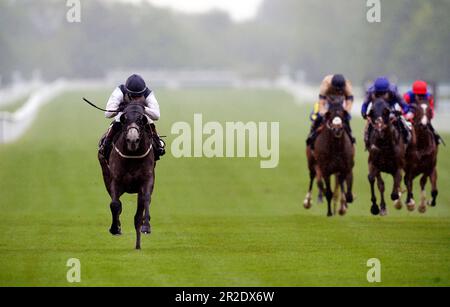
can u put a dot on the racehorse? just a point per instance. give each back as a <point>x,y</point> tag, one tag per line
<point>333,154</point>
<point>422,158</point>
<point>130,169</point>
<point>386,154</point>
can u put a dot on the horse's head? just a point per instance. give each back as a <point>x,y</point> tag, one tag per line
<point>380,115</point>
<point>335,116</point>
<point>134,121</point>
<point>422,113</point>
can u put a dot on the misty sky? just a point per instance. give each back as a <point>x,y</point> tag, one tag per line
<point>239,10</point>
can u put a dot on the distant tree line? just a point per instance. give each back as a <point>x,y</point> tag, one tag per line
<point>314,36</point>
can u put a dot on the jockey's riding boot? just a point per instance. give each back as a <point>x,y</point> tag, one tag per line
<point>405,131</point>
<point>313,133</point>
<point>106,144</point>
<point>158,143</point>
<point>367,136</point>
<point>437,137</point>
<point>348,129</point>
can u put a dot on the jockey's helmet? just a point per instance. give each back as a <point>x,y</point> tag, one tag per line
<point>338,82</point>
<point>135,86</point>
<point>381,85</point>
<point>420,87</point>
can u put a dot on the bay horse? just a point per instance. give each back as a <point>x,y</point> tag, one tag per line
<point>386,154</point>
<point>422,158</point>
<point>130,168</point>
<point>333,154</point>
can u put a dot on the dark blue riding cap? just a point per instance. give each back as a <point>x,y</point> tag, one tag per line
<point>135,85</point>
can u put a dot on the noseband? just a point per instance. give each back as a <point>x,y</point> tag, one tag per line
<point>133,127</point>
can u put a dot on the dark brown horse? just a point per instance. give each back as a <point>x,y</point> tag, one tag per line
<point>130,169</point>
<point>333,154</point>
<point>422,157</point>
<point>386,154</point>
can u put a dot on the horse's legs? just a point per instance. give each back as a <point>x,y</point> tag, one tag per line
<point>116,209</point>
<point>143,198</point>
<point>328,194</point>
<point>336,193</point>
<point>349,183</point>
<point>146,227</point>
<point>374,209</point>
<point>396,195</point>
<point>381,188</point>
<point>423,194</point>
<point>410,203</point>
<point>434,190</point>
<point>307,202</point>
<point>320,195</point>
<point>343,208</point>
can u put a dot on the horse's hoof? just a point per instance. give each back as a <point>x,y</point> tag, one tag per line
<point>383,212</point>
<point>329,214</point>
<point>398,204</point>
<point>431,203</point>
<point>320,200</point>
<point>349,198</point>
<point>138,247</point>
<point>375,210</point>
<point>307,203</point>
<point>342,212</point>
<point>146,230</point>
<point>411,205</point>
<point>422,209</point>
<point>116,231</point>
<point>410,208</point>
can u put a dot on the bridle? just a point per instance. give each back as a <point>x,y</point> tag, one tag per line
<point>137,127</point>
<point>374,123</point>
<point>128,128</point>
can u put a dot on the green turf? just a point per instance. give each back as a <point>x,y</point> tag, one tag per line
<point>216,222</point>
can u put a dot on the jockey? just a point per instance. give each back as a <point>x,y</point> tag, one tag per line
<point>383,88</point>
<point>332,86</point>
<point>420,92</point>
<point>134,89</point>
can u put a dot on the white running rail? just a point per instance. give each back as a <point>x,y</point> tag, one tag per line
<point>13,125</point>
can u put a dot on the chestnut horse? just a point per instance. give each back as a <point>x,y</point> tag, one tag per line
<point>333,154</point>
<point>130,169</point>
<point>386,154</point>
<point>422,158</point>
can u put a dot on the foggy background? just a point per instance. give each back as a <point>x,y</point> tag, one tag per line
<point>304,39</point>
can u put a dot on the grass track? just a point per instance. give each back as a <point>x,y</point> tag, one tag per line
<point>221,222</point>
